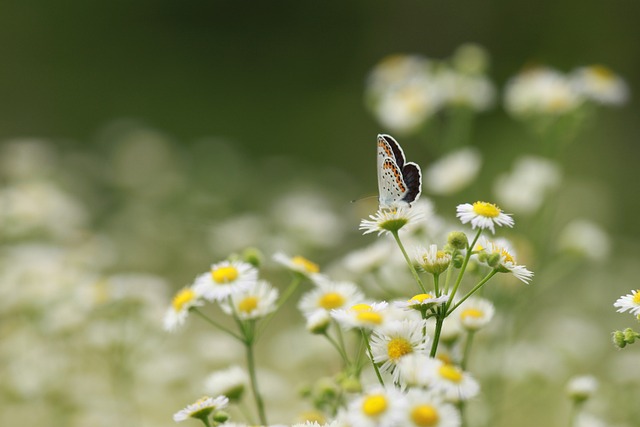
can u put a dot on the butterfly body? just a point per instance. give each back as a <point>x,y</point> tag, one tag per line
<point>399,181</point>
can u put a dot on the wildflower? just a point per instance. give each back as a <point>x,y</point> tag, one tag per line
<point>253,302</point>
<point>483,215</point>
<point>450,380</point>
<point>297,264</point>
<point>361,315</point>
<point>202,408</point>
<point>425,409</point>
<point>330,295</point>
<point>582,388</point>
<point>176,315</point>
<point>395,340</point>
<point>318,321</point>
<point>453,172</point>
<point>380,407</point>
<point>432,260</point>
<point>475,313</point>
<point>598,83</point>
<point>629,302</point>
<point>501,258</point>
<point>585,238</point>
<point>225,278</point>
<point>389,220</point>
<point>422,302</point>
<point>473,91</point>
<point>230,382</point>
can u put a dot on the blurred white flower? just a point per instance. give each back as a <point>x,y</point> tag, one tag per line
<point>453,172</point>
<point>523,189</point>
<point>599,84</point>
<point>230,382</point>
<point>585,238</point>
<point>475,313</point>
<point>582,387</point>
<point>474,91</point>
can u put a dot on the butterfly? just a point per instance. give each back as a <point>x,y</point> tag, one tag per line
<point>399,182</point>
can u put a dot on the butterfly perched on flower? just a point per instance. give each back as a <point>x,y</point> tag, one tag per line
<point>399,181</point>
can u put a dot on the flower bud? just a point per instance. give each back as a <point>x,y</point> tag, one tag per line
<point>618,339</point>
<point>253,256</point>
<point>318,322</point>
<point>458,240</point>
<point>220,417</point>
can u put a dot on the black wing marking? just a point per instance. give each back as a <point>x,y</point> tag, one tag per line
<point>395,147</point>
<point>413,180</point>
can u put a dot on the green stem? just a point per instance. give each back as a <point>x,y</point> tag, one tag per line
<point>285,296</point>
<point>254,382</point>
<point>436,334</point>
<point>467,350</point>
<point>216,324</point>
<point>462,270</point>
<point>406,257</point>
<point>341,341</point>
<point>447,280</point>
<point>205,421</point>
<point>337,347</point>
<point>375,367</point>
<point>474,290</point>
<point>575,411</point>
<point>436,281</point>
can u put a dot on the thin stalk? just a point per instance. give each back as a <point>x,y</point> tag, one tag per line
<point>338,348</point>
<point>406,257</point>
<point>375,367</point>
<point>448,278</point>
<point>462,270</point>
<point>254,382</point>
<point>467,350</point>
<point>475,288</point>
<point>285,296</point>
<point>436,278</point>
<point>341,341</point>
<point>216,324</point>
<point>436,334</point>
<point>575,411</point>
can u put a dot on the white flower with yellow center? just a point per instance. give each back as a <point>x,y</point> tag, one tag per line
<point>453,172</point>
<point>380,407</point>
<point>395,340</point>
<point>362,315</point>
<point>297,264</point>
<point>330,295</point>
<point>432,260</point>
<point>425,409</point>
<point>629,302</point>
<point>448,379</point>
<point>421,302</point>
<point>483,215</point>
<point>389,220</point>
<point>202,408</point>
<point>600,84</point>
<point>475,313</point>
<point>230,382</point>
<point>224,279</point>
<point>253,302</point>
<point>500,257</point>
<point>473,91</point>
<point>176,315</point>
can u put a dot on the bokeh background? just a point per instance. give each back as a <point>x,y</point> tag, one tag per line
<point>143,140</point>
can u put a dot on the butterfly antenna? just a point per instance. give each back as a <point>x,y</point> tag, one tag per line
<point>363,198</point>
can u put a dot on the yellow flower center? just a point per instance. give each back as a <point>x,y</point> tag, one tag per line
<point>471,312</point>
<point>185,296</point>
<point>441,255</point>
<point>248,304</point>
<point>425,416</point>
<point>331,300</point>
<point>223,275</point>
<point>374,405</point>
<point>398,347</point>
<point>636,297</point>
<point>602,72</point>
<point>485,209</point>
<point>361,307</point>
<point>308,266</point>
<point>312,416</point>
<point>507,256</point>
<point>451,373</point>
<point>445,357</point>
<point>420,297</point>
<point>369,317</point>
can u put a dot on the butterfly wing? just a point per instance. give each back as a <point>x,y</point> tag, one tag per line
<point>398,182</point>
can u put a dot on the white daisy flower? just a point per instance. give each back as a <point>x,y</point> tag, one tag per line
<point>582,387</point>
<point>230,382</point>
<point>432,260</point>
<point>506,262</point>
<point>453,172</point>
<point>330,295</point>
<point>318,321</point>
<point>483,215</point>
<point>297,264</point>
<point>225,278</point>
<point>389,220</point>
<point>425,409</point>
<point>629,302</point>
<point>380,407</point>
<point>201,408</point>
<point>474,91</point>
<point>600,84</point>
<point>450,380</point>
<point>475,313</point>
<point>253,302</point>
<point>362,315</point>
<point>396,339</point>
<point>421,302</point>
<point>176,315</point>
